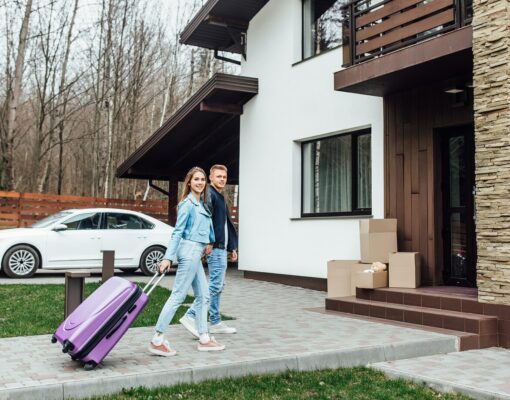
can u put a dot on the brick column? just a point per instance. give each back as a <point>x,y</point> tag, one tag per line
<point>491,78</point>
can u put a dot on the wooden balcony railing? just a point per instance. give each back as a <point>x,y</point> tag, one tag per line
<point>372,28</point>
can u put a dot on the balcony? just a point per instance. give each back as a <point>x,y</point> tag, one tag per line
<point>387,42</point>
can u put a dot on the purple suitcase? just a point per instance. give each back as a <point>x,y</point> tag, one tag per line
<point>95,327</point>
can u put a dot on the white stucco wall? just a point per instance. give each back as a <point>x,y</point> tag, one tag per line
<point>294,103</point>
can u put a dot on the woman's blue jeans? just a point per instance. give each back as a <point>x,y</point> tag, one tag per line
<point>189,273</point>
<point>217,265</point>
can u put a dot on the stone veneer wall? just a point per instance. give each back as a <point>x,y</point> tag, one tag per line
<point>491,78</point>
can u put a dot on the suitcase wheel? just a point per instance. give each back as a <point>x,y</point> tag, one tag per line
<point>67,346</point>
<point>89,366</point>
<point>53,339</point>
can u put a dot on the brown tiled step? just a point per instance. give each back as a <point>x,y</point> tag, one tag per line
<point>467,341</point>
<point>431,299</point>
<point>484,325</point>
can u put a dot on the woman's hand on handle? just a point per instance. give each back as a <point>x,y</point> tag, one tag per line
<point>164,265</point>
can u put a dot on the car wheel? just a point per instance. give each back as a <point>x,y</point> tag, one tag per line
<point>21,262</point>
<point>149,263</point>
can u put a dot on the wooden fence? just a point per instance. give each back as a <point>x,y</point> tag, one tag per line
<point>23,209</point>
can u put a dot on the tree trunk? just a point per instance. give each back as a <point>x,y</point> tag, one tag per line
<point>13,99</point>
<point>63,96</point>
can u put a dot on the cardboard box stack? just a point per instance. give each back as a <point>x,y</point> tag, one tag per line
<point>378,238</point>
<point>405,270</point>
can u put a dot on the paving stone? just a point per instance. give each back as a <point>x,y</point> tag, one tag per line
<point>275,333</point>
<point>483,374</point>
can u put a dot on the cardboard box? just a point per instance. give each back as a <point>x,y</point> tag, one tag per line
<point>378,238</point>
<point>367,280</point>
<point>341,277</point>
<point>371,225</point>
<point>355,268</point>
<point>405,270</point>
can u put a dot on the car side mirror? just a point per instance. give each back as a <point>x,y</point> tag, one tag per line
<point>60,227</point>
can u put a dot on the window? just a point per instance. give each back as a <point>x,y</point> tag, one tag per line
<point>43,223</point>
<point>322,26</point>
<point>337,175</point>
<point>89,220</point>
<point>126,221</point>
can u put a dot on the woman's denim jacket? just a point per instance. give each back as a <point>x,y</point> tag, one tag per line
<point>193,223</point>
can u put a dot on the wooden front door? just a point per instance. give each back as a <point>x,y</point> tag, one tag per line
<point>458,185</point>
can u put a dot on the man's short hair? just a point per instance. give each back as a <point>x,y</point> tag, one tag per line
<point>218,166</point>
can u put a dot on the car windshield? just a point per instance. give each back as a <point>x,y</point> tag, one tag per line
<point>45,222</point>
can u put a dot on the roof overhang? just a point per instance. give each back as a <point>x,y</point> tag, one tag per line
<point>221,25</point>
<point>203,132</point>
<point>438,59</point>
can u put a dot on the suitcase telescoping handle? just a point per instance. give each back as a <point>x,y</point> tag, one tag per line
<point>151,288</point>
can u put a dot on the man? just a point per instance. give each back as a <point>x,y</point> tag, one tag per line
<point>225,241</point>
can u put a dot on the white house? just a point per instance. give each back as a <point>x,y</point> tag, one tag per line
<point>289,225</point>
<point>308,159</point>
<point>395,133</point>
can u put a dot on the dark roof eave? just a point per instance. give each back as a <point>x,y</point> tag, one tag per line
<point>218,81</point>
<point>201,31</point>
<point>197,20</point>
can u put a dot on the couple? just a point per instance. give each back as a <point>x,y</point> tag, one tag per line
<point>203,227</point>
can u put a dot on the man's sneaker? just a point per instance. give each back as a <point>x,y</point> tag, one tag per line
<point>162,350</point>
<point>221,327</point>
<point>190,324</point>
<point>211,345</point>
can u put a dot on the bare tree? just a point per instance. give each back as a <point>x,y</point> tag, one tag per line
<point>94,89</point>
<point>63,92</point>
<point>13,97</point>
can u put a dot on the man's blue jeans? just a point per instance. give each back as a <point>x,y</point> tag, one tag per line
<point>217,264</point>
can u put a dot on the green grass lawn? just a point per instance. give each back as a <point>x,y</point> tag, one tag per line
<point>346,383</point>
<point>39,309</point>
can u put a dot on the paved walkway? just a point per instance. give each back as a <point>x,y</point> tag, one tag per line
<point>482,374</point>
<point>276,333</point>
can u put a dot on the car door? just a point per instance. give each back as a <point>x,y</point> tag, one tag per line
<point>79,246</point>
<point>125,235</point>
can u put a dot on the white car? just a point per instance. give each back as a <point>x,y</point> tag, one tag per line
<point>75,238</point>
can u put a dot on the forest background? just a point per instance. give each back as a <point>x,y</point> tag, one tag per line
<point>84,82</point>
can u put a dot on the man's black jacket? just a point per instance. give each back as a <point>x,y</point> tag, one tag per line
<point>218,208</point>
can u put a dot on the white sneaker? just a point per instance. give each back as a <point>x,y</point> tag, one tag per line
<point>190,325</point>
<point>221,328</point>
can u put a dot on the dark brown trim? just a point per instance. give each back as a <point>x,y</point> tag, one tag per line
<point>223,108</point>
<point>306,282</point>
<point>221,25</point>
<point>197,20</point>
<point>219,82</point>
<point>367,77</point>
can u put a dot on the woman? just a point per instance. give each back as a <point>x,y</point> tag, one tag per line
<point>193,231</point>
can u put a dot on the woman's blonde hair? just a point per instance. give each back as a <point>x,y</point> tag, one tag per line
<point>186,186</point>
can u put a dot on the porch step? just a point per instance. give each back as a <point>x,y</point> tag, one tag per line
<point>484,328</point>
<point>452,299</point>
